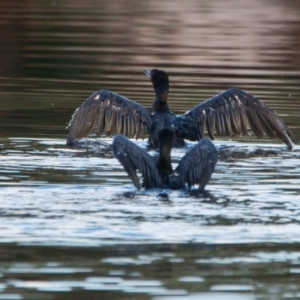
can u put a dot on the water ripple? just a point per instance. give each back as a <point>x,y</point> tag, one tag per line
<point>249,199</point>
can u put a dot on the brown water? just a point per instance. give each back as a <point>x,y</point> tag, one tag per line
<point>72,224</point>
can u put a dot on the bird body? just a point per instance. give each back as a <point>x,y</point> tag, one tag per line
<point>161,120</point>
<point>196,166</point>
<point>229,113</point>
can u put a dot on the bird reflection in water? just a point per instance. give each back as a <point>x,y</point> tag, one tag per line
<point>196,166</point>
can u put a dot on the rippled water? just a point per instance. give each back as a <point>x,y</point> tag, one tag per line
<point>72,224</point>
<point>45,184</point>
<point>157,243</point>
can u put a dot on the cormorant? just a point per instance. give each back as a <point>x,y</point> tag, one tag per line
<point>230,112</point>
<point>196,166</point>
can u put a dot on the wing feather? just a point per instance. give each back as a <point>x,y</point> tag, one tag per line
<point>235,121</point>
<point>210,122</point>
<point>197,166</point>
<point>234,110</point>
<point>105,112</point>
<point>133,158</point>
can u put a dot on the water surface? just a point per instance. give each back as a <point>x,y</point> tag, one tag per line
<point>72,223</point>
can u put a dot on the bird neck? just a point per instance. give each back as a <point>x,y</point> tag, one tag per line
<point>163,164</point>
<point>161,98</point>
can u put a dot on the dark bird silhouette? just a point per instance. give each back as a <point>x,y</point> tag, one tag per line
<point>230,113</point>
<point>196,167</point>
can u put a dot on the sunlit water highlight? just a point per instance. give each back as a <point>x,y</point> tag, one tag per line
<point>54,195</point>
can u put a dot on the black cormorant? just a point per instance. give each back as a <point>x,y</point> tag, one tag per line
<point>228,113</point>
<point>196,166</point>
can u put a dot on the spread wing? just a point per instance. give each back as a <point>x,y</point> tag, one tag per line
<point>133,158</point>
<point>197,166</point>
<point>233,111</point>
<point>105,112</point>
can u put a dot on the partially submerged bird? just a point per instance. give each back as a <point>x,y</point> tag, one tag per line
<point>196,166</point>
<point>230,113</point>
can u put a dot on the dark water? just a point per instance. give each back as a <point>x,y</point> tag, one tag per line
<point>72,224</point>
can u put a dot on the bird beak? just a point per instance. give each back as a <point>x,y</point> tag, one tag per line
<point>147,72</point>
